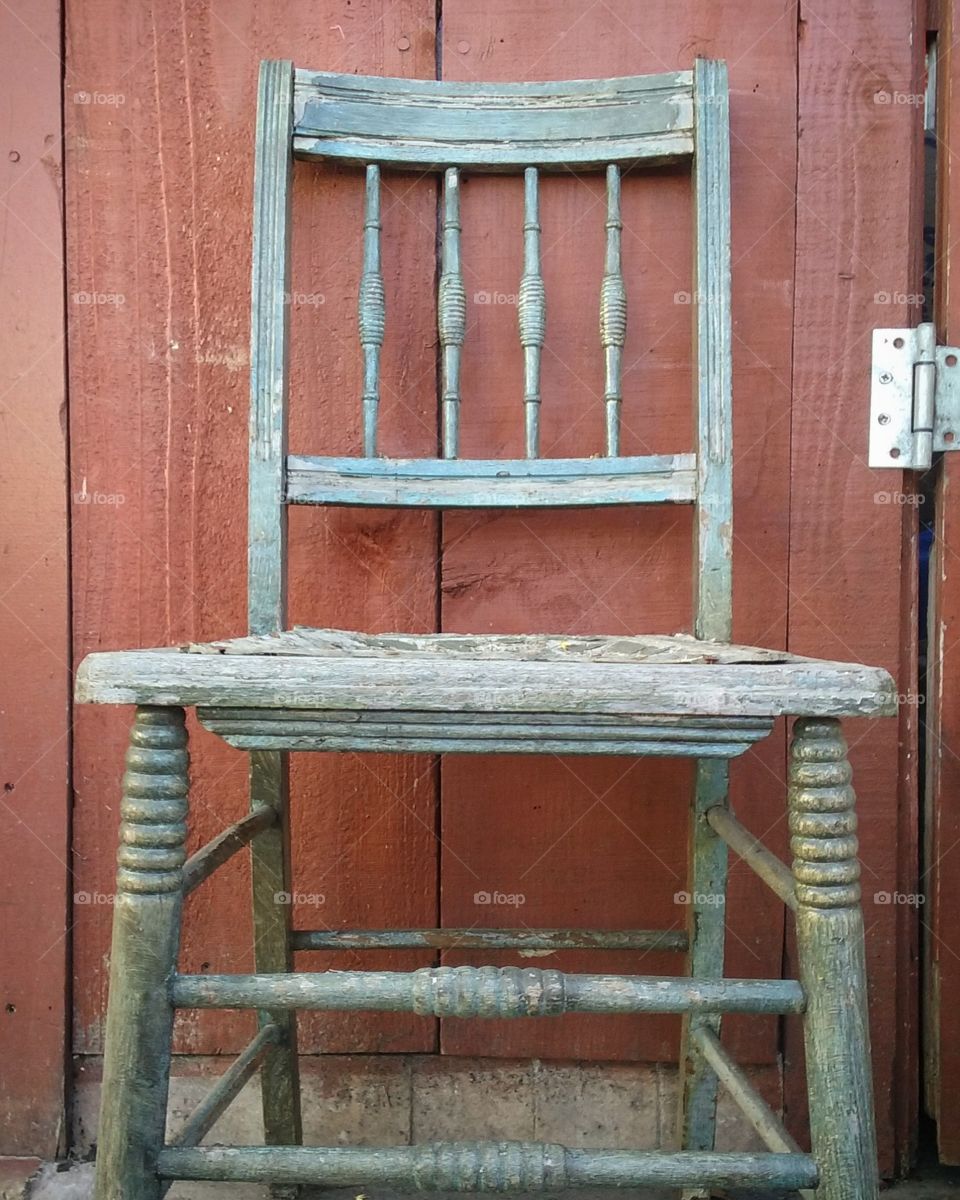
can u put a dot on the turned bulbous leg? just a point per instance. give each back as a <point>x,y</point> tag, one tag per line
<point>146,932</point>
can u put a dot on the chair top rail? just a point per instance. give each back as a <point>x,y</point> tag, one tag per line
<point>432,124</point>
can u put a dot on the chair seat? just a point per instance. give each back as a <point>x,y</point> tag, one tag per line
<point>331,689</point>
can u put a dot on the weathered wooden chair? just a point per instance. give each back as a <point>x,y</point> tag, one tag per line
<point>694,696</point>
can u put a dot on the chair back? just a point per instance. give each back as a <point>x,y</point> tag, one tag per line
<point>608,125</point>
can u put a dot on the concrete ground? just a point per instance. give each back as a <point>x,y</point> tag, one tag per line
<point>28,1179</point>
<point>613,1107</point>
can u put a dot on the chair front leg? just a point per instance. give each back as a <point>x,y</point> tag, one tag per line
<point>832,966</point>
<point>146,934</point>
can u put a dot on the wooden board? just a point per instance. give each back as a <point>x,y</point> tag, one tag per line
<point>942,801</point>
<point>407,124</point>
<point>34,596</point>
<point>159,209</point>
<point>454,684</point>
<point>604,842</point>
<point>858,243</point>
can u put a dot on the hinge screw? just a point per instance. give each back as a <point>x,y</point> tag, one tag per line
<point>886,377</point>
<point>884,419</point>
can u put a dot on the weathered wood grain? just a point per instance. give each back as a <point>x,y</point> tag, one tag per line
<point>613,312</point>
<point>852,554</point>
<point>436,683</point>
<point>713,348</point>
<point>491,939</point>
<point>443,731</point>
<point>416,124</point>
<point>680,649</point>
<point>497,483</point>
<point>224,846</point>
<point>732,729</point>
<point>159,213</point>
<point>485,733</point>
<point>270,349</point>
<point>271,877</point>
<point>752,851</point>
<point>453,739</point>
<point>488,992</point>
<point>372,307</point>
<point>271,869</point>
<point>227,1088</point>
<point>713,582</point>
<point>35,497</point>
<point>143,957</point>
<point>830,949</point>
<point>451,314</point>
<point>707,874</point>
<point>489,1166</point>
<point>766,1124</point>
<point>531,310</point>
<point>941,1017</point>
<point>621,571</point>
<point>880,701</point>
<point>374,859</point>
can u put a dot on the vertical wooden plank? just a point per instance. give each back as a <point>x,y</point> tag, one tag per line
<point>941,878</point>
<point>159,187</point>
<point>858,243</point>
<point>585,842</point>
<point>34,605</point>
<point>364,825</point>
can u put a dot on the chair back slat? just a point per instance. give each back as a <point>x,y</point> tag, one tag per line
<point>613,313</point>
<point>531,309</point>
<point>451,312</point>
<point>492,483</point>
<point>430,125</point>
<point>372,307</point>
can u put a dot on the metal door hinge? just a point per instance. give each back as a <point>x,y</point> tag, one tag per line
<point>914,398</point>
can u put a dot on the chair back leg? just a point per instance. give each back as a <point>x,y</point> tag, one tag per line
<point>707,882</point>
<point>272,886</point>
